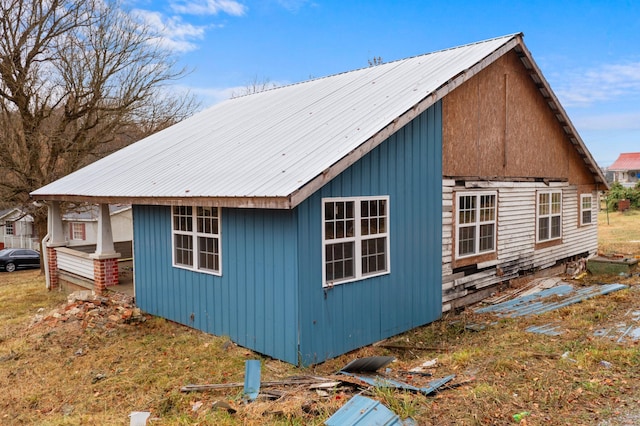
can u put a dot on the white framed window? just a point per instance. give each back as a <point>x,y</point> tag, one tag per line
<point>8,228</point>
<point>355,238</point>
<point>586,212</point>
<point>549,215</point>
<point>77,231</point>
<point>476,223</point>
<point>196,238</point>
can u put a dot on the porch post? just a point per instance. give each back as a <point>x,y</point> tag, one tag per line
<point>105,258</point>
<point>55,239</point>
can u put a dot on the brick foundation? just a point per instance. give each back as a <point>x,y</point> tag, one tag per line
<point>105,274</point>
<point>52,266</point>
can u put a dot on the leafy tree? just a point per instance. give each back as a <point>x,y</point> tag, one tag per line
<point>79,79</point>
<point>618,192</point>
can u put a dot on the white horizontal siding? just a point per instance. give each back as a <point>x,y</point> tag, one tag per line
<point>76,262</point>
<point>516,237</point>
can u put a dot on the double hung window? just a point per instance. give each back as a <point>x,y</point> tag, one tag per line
<point>586,214</point>
<point>196,238</point>
<point>549,215</point>
<point>476,223</point>
<point>355,238</point>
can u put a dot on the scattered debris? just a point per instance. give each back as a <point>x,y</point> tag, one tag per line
<point>560,296</point>
<point>251,379</point>
<point>518,417</point>
<point>361,410</point>
<point>93,311</point>
<point>548,329</point>
<point>221,405</point>
<point>366,366</point>
<point>139,418</point>
<point>292,381</point>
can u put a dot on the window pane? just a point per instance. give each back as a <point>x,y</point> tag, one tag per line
<point>339,261</point>
<point>543,228</point>
<point>487,208</point>
<point>543,204</point>
<point>183,249</point>
<point>182,218</point>
<point>556,201</point>
<point>466,240</point>
<point>486,237</point>
<point>586,216</point>
<point>208,253</point>
<point>555,227</point>
<point>373,255</point>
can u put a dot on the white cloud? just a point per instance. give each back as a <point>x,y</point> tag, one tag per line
<point>208,7</point>
<point>607,83</point>
<point>294,5</point>
<point>174,33</point>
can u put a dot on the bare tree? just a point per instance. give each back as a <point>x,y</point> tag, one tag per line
<point>375,61</point>
<point>78,80</point>
<point>255,86</point>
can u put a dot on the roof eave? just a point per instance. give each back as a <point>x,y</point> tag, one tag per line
<point>231,202</point>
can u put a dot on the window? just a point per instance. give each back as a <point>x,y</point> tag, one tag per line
<point>8,228</point>
<point>476,224</point>
<point>196,238</point>
<point>77,231</point>
<point>586,201</point>
<point>355,238</point>
<point>549,215</point>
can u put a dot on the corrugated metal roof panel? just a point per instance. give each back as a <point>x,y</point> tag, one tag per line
<point>361,410</point>
<point>272,143</point>
<point>626,161</point>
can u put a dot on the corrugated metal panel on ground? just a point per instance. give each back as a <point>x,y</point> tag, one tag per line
<point>272,143</point>
<point>535,304</point>
<point>363,411</point>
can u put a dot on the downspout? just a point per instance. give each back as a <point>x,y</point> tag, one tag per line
<point>45,257</point>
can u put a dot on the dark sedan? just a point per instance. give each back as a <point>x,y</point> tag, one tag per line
<point>12,259</point>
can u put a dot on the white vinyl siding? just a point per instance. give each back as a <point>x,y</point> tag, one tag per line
<point>196,238</point>
<point>355,237</point>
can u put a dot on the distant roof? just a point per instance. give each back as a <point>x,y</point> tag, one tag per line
<point>90,212</point>
<point>626,161</point>
<point>275,148</point>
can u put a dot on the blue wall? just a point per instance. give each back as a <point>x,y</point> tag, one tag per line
<point>270,296</point>
<point>408,168</point>
<point>254,302</point>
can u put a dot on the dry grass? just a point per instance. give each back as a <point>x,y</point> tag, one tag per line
<point>63,374</point>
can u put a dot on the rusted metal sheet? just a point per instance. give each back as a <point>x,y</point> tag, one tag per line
<point>538,303</point>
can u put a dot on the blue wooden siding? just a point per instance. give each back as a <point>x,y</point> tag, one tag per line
<point>254,302</point>
<point>408,168</point>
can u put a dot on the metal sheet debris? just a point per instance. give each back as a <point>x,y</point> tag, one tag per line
<point>385,382</point>
<point>539,303</point>
<point>363,411</point>
<point>368,365</point>
<point>252,379</point>
<point>623,331</point>
<point>548,329</point>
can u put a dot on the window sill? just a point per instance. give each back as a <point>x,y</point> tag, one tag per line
<point>466,261</point>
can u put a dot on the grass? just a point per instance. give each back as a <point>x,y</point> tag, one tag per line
<point>61,373</point>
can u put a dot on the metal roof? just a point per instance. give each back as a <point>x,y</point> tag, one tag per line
<point>626,161</point>
<point>275,148</point>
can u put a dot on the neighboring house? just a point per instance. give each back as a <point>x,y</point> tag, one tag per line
<point>316,218</point>
<point>17,230</point>
<point>626,169</point>
<point>80,227</point>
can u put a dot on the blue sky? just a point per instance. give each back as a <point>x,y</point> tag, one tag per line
<point>589,51</point>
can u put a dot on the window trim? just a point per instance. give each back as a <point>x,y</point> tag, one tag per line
<point>357,239</point>
<point>194,235</point>
<point>582,209</point>
<point>477,225</point>
<point>549,215</point>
